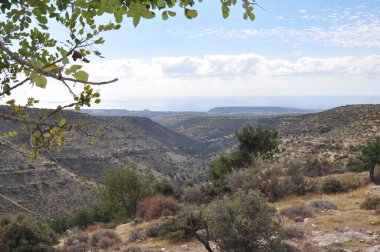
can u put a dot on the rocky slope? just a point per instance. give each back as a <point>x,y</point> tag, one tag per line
<point>65,181</point>
<point>333,134</point>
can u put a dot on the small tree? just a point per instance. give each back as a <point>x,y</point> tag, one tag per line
<point>253,143</point>
<point>124,188</point>
<point>259,141</point>
<point>370,154</point>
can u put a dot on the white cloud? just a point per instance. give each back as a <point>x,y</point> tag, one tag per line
<point>329,27</point>
<point>235,66</point>
<point>220,76</point>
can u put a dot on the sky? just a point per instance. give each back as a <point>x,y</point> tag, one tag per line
<point>308,54</point>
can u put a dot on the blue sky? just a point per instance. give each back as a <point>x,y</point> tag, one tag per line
<point>292,51</point>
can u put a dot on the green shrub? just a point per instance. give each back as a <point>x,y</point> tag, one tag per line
<point>371,203</point>
<point>293,232</point>
<point>267,178</point>
<point>317,168</point>
<point>81,218</point>
<point>298,211</point>
<point>192,195</point>
<point>322,205</point>
<point>332,185</point>
<point>357,165</point>
<point>23,233</point>
<point>136,234</point>
<point>153,230</point>
<point>182,226</point>
<point>244,222</point>
<point>76,242</point>
<point>167,187</point>
<point>59,224</point>
<point>104,238</point>
<point>104,212</point>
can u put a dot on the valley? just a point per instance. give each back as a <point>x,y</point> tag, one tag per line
<point>180,151</point>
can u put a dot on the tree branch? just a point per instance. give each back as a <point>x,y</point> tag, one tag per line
<point>46,73</point>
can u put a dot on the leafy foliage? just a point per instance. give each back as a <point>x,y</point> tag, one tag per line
<point>253,143</point>
<point>22,233</point>
<point>123,188</point>
<point>29,55</point>
<point>370,155</point>
<point>243,222</point>
<point>259,141</point>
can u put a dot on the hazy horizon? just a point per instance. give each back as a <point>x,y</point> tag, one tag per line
<point>202,104</point>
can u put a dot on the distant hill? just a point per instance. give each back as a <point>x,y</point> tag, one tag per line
<point>259,110</point>
<point>334,134</point>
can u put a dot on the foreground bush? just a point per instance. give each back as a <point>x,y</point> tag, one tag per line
<point>156,206</point>
<point>244,222</point>
<point>298,211</point>
<point>21,233</point>
<point>76,242</point>
<point>371,203</point>
<point>322,205</point>
<point>104,238</point>
<point>332,186</point>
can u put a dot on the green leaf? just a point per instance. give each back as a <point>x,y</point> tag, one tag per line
<point>165,15</point>
<point>136,20</point>
<point>81,76</point>
<point>74,68</point>
<point>190,14</point>
<point>38,79</point>
<point>148,14</point>
<point>172,13</point>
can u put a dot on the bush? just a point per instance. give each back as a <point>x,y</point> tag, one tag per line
<point>192,195</point>
<point>179,228</point>
<point>156,206</point>
<point>332,185</point>
<point>298,211</point>
<point>153,230</point>
<point>357,165</point>
<point>104,238</point>
<point>267,178</point>
<point>317,168</point>
<point>21,233</point>
<point>136,234</point>
<point>138,249</point>
<point>81,218</point>
<point>104,212</point>
<point>243,222</point>
<point>300,184</point>
<point>322,205</point>
<point>59,224</point>
<point>293,232</point>
<point>76,242</point>
<point>371,203</point>
<point>166,187</point>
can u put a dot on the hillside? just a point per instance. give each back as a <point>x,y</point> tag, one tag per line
<point>68,184</point>
<point>334,134</point>
<point>180,153</point>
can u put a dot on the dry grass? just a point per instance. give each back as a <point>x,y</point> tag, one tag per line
<point>349,216</point>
